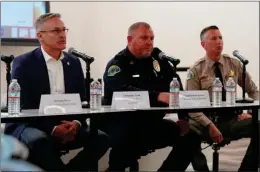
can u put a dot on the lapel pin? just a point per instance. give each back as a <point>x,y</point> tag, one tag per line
<point>68,63</point>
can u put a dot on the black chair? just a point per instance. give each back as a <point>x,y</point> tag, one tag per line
<point>216,146</point>
<point>259,149</point>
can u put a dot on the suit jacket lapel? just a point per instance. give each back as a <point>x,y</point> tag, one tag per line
<point>43,71</point>
<point>66,69</point>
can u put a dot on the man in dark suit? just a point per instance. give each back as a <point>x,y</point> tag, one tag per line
<point>49,70</point>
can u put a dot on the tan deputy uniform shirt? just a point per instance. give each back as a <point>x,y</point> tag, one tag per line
<point>201,76</point>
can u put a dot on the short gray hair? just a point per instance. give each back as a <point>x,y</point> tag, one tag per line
<point>136,25</point>
<point>40,20</point>
<point>206,29</point>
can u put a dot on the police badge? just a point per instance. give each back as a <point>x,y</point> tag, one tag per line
<point>156,66</point>
<point>231,73</point>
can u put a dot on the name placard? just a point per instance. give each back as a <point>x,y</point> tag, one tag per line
<point>198,98</point>
<point>71,103</point>
<point>130,100</point>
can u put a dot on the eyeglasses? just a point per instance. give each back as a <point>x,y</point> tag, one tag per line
<point>56,31</point>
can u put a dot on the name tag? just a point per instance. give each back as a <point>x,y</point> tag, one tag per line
<point>130,100</point>
<point>194,99</point>
<point>135,76</point>
<point>70,103</point>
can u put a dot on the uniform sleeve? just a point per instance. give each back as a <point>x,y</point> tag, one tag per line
<point>117,78</point>
<point>192,83</point>
<point>250,87</point>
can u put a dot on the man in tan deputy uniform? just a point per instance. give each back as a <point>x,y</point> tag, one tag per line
<point>201,76</point>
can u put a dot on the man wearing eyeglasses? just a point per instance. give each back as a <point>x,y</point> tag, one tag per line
<point>49,70</point>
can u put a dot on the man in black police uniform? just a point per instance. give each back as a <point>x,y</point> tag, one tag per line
<point>136,68</point>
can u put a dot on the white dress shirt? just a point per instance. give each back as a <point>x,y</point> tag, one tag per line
<point>56,75</point>
<point>55,72</point>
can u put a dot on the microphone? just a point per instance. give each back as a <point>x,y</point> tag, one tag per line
<point>162,55</point>
<point>83,56</point>
<point>240,57</point>
<point>7,59</point>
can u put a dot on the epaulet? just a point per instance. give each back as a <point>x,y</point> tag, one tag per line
<point>232,59</point>
<point>226,55</point>
<point>119,55</point>
<point>198,62</point>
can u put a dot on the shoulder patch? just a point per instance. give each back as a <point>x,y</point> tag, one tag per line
<point>190,75</point>
<point>114,69</point>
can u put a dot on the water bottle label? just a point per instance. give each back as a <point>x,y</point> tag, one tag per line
<point>217,89</point>
<point>98,91</point>
<point>174,89</point>
<point>14,92</point>
<point>230,89</point>
<point>95,91</point>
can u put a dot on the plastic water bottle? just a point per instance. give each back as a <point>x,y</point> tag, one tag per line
<point>174,93</point>
<point>231,92</point>
<point>217,92</point>
<point>14,98</point>
<point>95,95</point>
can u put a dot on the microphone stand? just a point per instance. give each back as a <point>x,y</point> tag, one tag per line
<point>174,68</point>
<point>244,100</point>
<point>8,61</point>
<point>88,80</point>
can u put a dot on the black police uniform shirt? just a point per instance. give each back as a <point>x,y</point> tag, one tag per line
<point>125,72</point>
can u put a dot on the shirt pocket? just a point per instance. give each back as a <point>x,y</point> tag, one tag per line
<point>206,84</point>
